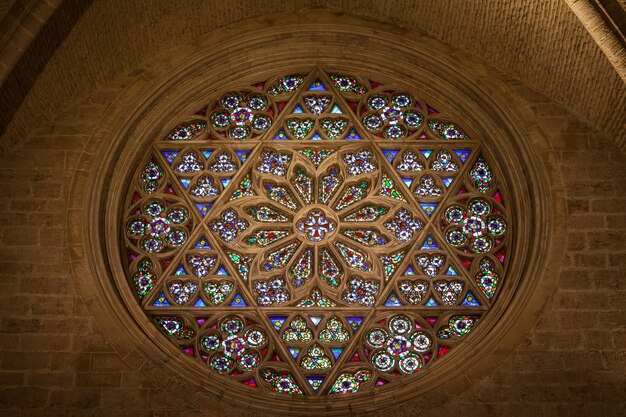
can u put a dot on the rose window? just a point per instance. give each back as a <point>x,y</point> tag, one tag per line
<point>316,234</point>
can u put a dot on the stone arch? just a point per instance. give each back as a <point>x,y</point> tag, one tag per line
<point>147,101</point>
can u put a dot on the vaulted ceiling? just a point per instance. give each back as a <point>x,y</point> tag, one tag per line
<point>54,53</point>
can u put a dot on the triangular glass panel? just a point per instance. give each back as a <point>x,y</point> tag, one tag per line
<point>407,181</point>
<point>243,155</point>
<point>298,110</point>
<point>470,300</point>
<point>199,303</point>
<point>353,135</point>
<point>225,182</point>
<point>337,352</point>
<point>281,135</point>
<point>204,208</point>
<point>277,321</point>
<point>451,271</point>
<point>463,154</point>
<point>426,152</point>
<point>429,244</point>
<point>161,301</point>
<point>185,182</point>
<point>409,271</point>
<point>428,208</point>
<point>316,320</point>
<point>336,110</point>
<point>207,153</point>
<point>354,322</point>
<point>294,352</point>
<point>170,155</point>
<point>221,271</point>
<point>431,303</point>
<point>390,154</point>
<point>238,301</point>
<point>180,271</point>
<point>317,85</point>
<point>447,181</point>
<point>315,136</point>
<point>202,243</point>
<point>392,301</point>
<point>315,382</point>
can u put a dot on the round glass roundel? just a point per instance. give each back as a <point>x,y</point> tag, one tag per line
<point>316,234</point>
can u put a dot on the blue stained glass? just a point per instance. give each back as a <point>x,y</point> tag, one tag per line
<point>429,244</point>
<point>409,271</point>
<point>199,303</point>
<point>428,208</point>
<point>170,155</point>
<point>470,300</point>
<point>298,110</point>
<point>294,352</point>
<point>451,271</point>
<point>407,181</point>
<point>180,271</point>
<point>317,85</point>
<point>337,352</point>
<point>238,301</point>
<point>447,181</point>
<point>204,208</point>
<point>336,110</point>
<point>277,321</point>
<point>161,301</point>
<point>203,243</point>
<point>207,153</point>
<point>431,303</point>
<point>426,152</point>
<point>392,300</point>
<point>390,154</point>
<point>316,137</point>
<point>315,382</point>
<point>281,135</point>
<point>353,135</point>
<point>185,182</point>
<point>243,155</point>
<point>355,322</point>
<point>463,154</point>
<point>222,271</point>
<point>315,320</point>
<point>225,182</point>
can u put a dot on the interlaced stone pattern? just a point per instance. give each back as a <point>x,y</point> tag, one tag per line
<point>316,233</point>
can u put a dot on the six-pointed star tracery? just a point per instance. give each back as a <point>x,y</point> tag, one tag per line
<point>316,234</point>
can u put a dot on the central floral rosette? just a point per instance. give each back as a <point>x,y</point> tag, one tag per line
<point>316,225</point>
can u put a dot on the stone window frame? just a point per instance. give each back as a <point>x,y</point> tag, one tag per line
<point>507,126</point>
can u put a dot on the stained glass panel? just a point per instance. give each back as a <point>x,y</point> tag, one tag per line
<point>316,234</point>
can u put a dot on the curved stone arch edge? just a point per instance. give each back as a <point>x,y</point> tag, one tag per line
<point>149,86</point>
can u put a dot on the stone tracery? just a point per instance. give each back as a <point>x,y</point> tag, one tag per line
<point>320,190</point>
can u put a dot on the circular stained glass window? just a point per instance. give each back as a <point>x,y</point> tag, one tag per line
<point>316,234</point>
